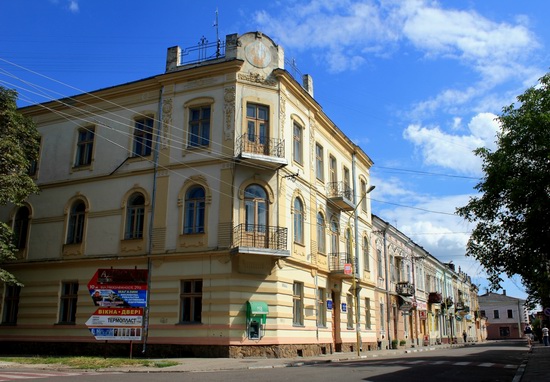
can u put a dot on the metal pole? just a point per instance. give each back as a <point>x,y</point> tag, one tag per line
<point>354,276</point>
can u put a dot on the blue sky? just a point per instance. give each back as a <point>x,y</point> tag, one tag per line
<point>417,83</point>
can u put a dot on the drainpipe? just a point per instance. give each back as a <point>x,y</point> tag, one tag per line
<point>356,260</point>
<point>388,300</point>
<point>151,221</point>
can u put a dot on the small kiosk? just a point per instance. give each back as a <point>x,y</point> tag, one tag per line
<point>256,313</point>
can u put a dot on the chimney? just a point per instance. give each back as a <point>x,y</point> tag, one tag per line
<point>504,292</point>
<point>173,58</point>
<point>308,83</point>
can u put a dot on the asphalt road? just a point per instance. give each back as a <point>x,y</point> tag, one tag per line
<point>496,361</point>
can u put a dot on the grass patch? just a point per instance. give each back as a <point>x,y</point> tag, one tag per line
<point>89,362</point>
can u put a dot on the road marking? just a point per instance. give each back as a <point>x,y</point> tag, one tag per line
<point>487,364</point>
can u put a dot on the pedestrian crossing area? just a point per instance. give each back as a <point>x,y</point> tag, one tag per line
<point>449,363</point>
<point>27,374</point>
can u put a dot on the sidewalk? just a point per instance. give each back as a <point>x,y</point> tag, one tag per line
<point>536,368</point>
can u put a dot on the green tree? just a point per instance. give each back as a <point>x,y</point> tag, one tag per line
<point>19,145</point>
<point>512,213</point>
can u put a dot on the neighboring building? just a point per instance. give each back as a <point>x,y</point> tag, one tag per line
<point>422,300</point>
<point>220,201</point>
<point>506,316</point>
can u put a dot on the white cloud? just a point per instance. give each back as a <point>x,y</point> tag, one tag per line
<point>455,152</point>
<point>73,6</point>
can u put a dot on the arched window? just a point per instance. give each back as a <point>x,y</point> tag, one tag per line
<point>321,239</point>
<point>255,204</point>
<point>298,221</point>
<point>194,210</point>
<point>135,216</point>
<point>75,232</point>
<point>21,227</point>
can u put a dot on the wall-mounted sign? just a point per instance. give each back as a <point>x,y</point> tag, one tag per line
<point>329,304</point>
<point>344,307</point>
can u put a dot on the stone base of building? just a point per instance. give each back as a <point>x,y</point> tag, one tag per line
<point>137,350</point>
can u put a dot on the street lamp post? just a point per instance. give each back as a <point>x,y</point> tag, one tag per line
<point>355,273</point>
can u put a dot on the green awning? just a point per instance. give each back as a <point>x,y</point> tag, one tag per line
<point>257,307</point>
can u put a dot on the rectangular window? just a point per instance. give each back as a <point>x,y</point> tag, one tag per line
<point>33,165</point>
<point>298,304</point>
<point>298,144</point>
<point>510,313</point>
<point>68,301</point>
<point>482,313</point>
<point>143,137</point>
<point>379,263</point>
<point>84,147</point>
<point>321,307</point>
<point>364,196</point>
<point>496,314</point>
<point>191,301</point>
<point>199,126</point>
<point>349,303</point>
<point>11,304</point>
<point>319,162</point>
<point>368,323</point>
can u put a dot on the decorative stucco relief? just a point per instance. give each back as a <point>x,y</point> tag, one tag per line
<point>229,110</point>
<point>166,121</point>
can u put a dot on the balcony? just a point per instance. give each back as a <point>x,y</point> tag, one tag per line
<point>448,302</point>
<point>404,288</point>
<point>339,265</point>
<point>435,298</point>
<point>340,195</point>
<point>261,151</point>
<point>260,240</point>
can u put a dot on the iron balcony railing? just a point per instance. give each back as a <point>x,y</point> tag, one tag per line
<point>339,190</point>
<point>404,288</point>
<point>260,236</point>
<point>261,145</point>
<point>337,261</point>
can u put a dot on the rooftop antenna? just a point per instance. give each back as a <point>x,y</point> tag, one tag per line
<point>217,36</point>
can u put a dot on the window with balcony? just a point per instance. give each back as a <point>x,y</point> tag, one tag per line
<point>298,145</point>
<point>298,221</point>
<point>75,227</point>
<point>319,163</point>
<point>194,210</point>
<point>68,302</point>
<point>334,237</point>
<point>135,217</point>
<point>199,127</point>
<point>347,184</point>
<point>321,234</point>
<point>257,119</point>
<point>11,304</point>
<point>84,147</point>
<point>143,137</point>
<point>191,301</point>
<point>298,304</point>
<point>333,170</point>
